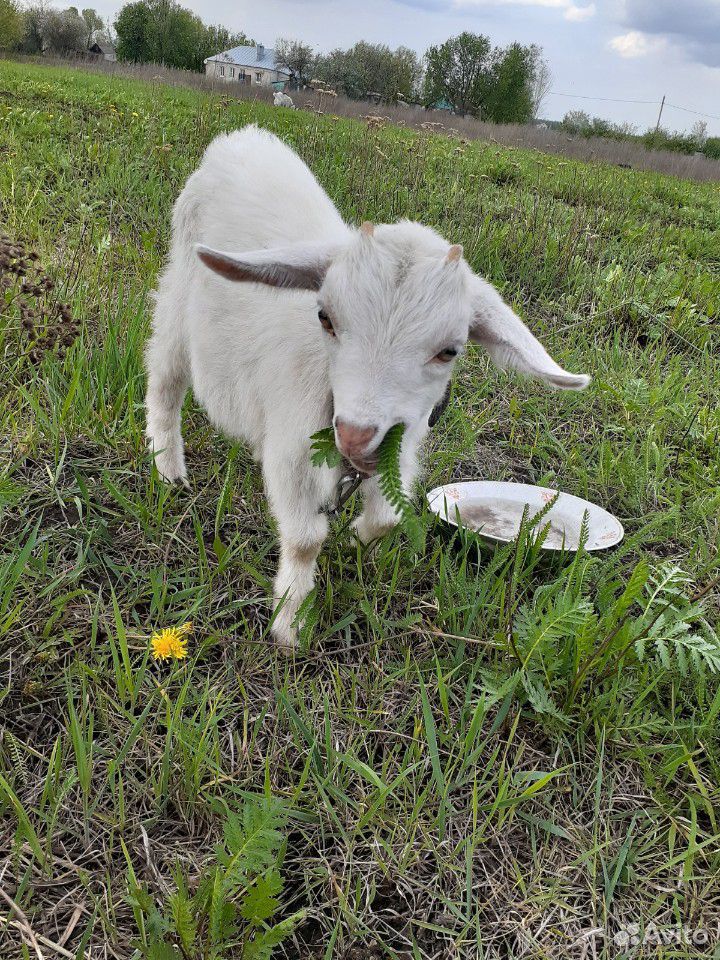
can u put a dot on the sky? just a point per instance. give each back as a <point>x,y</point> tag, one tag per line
<point>615,49</point>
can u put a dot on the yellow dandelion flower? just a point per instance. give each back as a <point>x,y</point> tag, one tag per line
<point>171,643</point>
<point>135,114</point>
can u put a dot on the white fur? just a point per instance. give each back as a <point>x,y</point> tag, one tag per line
<point>281,99</point>
<point>266,371</point>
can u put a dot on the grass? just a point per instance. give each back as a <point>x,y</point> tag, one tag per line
<point>477,754</point>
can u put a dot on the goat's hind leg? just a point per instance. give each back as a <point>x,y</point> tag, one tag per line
<point>168,380</point>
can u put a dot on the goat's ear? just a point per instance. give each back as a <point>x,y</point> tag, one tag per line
<point>299,267</point>
<point>509,342</point>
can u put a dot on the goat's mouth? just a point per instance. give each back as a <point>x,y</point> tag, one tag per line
<point>366,467</point>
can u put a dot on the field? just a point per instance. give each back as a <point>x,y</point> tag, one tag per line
<point>625,153</point>
<point>474,754</point>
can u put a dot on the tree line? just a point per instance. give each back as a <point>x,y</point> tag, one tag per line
<point>161,31</point>
<point>466,73</point>
<point>38,27</point>
<point>148,31</point>
<point>580,123</point>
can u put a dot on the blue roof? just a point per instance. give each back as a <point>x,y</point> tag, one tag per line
<point>248,57</point>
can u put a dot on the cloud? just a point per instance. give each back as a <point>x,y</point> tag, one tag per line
<point>571,11</point>
<point>578,14</point>
<point>692,25</point>
<point>636,44</point>
<point>429,5</point>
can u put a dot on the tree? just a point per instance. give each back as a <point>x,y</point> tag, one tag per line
<point>542,81</point>
<point>295,56</point>
<point>368,69</point>
<point>11,25</point>
<point>699,134</point>
<point>134,27</point>
<point>473,77</point>
<point>712,148</point>
<point>161,31</point>
<point>458,72</point>
<point>34,16</point>
<point>217,38</point>
<point>406,74</point>
<point>509,94</point>
<point>93,23</point>
<point>64,31</point>
<point>179,37</point>
<point>59,31</point>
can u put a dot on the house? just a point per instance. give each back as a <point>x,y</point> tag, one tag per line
<point>253,65</point>
<point>103,50</point>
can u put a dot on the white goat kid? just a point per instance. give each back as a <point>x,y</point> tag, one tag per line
<point>281,99</point>
<point>283,320</point>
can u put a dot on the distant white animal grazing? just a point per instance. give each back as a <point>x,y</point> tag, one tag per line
<point>285,320</point>
<point>281,99</point>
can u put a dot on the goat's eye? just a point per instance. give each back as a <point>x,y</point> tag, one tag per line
<point>326,322</point>
<point>446,355</point>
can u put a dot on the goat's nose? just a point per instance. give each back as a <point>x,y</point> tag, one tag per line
<point>352,439</point>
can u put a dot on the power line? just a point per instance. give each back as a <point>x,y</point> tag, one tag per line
<point>577,96</point>
<point>675,106</point>
<point>699,113</point>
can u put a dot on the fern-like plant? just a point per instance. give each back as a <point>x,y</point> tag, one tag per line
<point>230,912</point>
<point>324,450</point>
<point>326,453</point>
<point>558,644</point>
<point>391,485</point>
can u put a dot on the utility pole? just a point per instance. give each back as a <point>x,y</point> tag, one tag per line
<point>657,125</point>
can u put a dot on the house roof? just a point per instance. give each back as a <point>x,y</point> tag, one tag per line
<point>103,46</point>
<point>248,57</point>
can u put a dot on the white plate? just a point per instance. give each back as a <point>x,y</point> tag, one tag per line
<point>494,510</point>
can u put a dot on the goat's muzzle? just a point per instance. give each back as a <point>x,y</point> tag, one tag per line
<point>358,445</point>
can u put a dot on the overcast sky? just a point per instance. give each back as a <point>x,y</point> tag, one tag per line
<point>622,49</point>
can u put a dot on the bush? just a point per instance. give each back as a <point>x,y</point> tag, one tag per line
<point>664,140</point>
<point>579,122</point>
<point>712,148</point>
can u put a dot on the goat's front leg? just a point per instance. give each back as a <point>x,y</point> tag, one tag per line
<point>378,516</point>
<point>296,497</point>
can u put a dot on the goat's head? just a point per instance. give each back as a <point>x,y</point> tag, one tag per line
<point>396,306</point>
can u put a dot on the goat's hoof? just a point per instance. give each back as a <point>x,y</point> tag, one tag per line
<point>368,534</point>
<point>178,479</point>
<point>286,639</point>
<point>171,468</point>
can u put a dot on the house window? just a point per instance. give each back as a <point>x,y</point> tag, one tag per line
<point>258,76</point>
<point>222,71</point>
<point>232,73</point>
